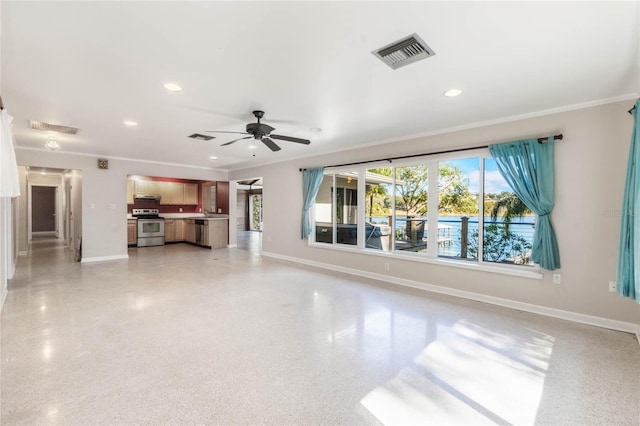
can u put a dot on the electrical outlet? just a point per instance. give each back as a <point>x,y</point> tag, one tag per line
<point>557,279</point>
<point>612,286</point>
<point>386,266</point>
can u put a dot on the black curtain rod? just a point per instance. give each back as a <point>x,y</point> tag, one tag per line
<point>1,103</point>
<point>472,148</point>
<point>631,110</point>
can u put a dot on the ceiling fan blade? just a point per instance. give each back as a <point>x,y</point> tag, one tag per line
<point>221,131</point>
<point>290,139</point>
<point>236,140</point>
<point>270,144</point>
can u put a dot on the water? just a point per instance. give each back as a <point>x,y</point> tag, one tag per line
<point>449,228</point>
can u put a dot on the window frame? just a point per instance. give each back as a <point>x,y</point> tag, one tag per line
<point>431,254</point>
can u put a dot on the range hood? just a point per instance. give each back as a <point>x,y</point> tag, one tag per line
<point>147,197</point>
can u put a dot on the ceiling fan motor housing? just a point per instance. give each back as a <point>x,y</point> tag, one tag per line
<point>259,130</point>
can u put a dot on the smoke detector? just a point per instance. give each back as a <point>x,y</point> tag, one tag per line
<point>404,51</point>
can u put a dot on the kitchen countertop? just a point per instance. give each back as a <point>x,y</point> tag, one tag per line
<point>187,216</point>
<point>200,216</point>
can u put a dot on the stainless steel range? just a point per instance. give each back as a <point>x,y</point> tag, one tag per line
<point>150,227</point>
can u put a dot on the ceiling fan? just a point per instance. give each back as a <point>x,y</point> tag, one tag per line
<point>262,132</point>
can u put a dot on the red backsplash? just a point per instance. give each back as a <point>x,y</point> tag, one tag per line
<point>148,204</point>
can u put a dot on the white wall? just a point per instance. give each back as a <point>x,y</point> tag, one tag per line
<point>590,171</point>
<point>104,195</point>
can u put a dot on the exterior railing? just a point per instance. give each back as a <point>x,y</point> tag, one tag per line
<point>458,237</point>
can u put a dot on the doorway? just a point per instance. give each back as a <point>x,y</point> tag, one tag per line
<point>255,212</point>
<point>43,210</point>
<point>249,214</point>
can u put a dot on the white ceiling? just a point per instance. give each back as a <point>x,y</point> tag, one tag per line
<point>93,65</point>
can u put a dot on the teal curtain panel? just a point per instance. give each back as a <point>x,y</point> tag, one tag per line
<point>628,271</point>
<point>528,168</point>
<point>311,180</point>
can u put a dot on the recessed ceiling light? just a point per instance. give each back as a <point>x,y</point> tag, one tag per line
<point>315,129</point>
<point>252,146</point>
<point>213,157</point>
<point>172,87</point>
<point>130,123</point>
<point>452,93</point>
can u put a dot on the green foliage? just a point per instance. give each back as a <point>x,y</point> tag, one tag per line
<point>499,244</point>
<point>453,191</point>
<point>379,200</point>
<point>412,187</point>
<point>509,205</point>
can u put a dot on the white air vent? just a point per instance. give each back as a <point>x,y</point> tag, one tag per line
<point>201,137</point>
<point>404,52</point>
<point>40,125</point>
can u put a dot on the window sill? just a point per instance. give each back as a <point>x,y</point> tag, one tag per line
<point>532,272</point>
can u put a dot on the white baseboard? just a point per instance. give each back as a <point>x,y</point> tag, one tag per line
<point>232,245</point>
<point>527,307</point>
<point>104,258</point>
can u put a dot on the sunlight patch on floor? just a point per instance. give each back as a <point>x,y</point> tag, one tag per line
<point>469,375</point>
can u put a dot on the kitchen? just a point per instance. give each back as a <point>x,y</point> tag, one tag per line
<point>163,210</point>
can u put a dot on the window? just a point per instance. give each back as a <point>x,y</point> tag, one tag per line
<point>427,208</point>
<point>458,189</point>
<point>508,223</point>
<point>411,200</point>
<point>378,208</point>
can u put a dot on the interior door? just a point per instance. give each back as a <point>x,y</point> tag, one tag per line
<point>43,209</point>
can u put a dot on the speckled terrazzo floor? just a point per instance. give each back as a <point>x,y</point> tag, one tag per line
<point>183,335</point>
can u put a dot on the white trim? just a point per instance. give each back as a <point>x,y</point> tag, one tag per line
<point>532,272</point>
<point>470,126</point>
<point>527,307</point>
<point>638,333</point>
<point>104,258</point>
<point>232,245</point>
<point>136,160</point>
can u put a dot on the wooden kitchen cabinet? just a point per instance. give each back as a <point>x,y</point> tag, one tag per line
<point>179,229</point>
<point>132,232</point>
<point>164,190</point>
<point>191,193</point>
<point>130,191</point>
<point>190,231</point>
<point>141,187</point>
<point>169,231</point>
<point>177,192</point>
<point>218,233</point>
<point>222,197</point>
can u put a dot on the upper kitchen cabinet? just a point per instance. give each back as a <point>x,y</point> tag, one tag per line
<point>130,191</point>
<point>190,193</point>
<point>176,193</point>
<point>215,197</point>
<point>222,197</point>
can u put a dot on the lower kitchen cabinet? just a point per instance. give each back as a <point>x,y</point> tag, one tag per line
<point>179,229</point>
<point>170,231</point>
<point>218,233</point>
<point>190,231</point>
<point>132,232</point>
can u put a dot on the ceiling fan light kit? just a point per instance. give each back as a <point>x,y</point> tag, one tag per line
<point>262,132</point>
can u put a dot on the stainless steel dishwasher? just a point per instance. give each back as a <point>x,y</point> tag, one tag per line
<point>199,224</point>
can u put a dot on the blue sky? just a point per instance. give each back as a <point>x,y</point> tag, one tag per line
<point>493,182</point>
